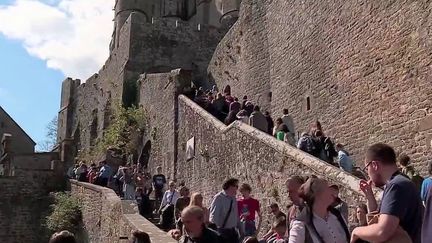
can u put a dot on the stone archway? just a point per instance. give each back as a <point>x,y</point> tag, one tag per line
<point>144,156</point>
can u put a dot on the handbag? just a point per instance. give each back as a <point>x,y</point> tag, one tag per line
<point>231,234</point>
<point>400,236</point>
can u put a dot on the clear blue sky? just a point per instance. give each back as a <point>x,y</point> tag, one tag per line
<point>29,91</point>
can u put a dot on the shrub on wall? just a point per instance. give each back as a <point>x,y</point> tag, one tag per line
<point>126,125</point>
<point>66,214</point>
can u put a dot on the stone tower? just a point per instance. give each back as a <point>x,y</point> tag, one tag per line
<point>181,9</point>
<point>123,8</point>
<point>229,10</point>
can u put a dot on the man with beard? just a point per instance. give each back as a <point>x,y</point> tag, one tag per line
<point>401,204</point>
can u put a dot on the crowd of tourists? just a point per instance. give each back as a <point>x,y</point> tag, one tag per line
<point>316,214</point>
<point>228,109</point>
<point>131,182</point>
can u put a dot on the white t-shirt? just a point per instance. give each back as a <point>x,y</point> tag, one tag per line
<point>331,231</point>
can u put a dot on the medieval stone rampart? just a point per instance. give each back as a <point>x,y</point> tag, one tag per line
<point>24,197</point>
<point>361,68</point>
<point>252,156</point>
<point>146,46</point>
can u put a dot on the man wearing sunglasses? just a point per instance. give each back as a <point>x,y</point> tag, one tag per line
<point>401,204</point>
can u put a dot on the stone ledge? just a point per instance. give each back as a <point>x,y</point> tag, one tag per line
<point>129,214</point>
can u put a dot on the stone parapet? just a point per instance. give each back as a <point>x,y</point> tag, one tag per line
<point>107,219</point>
<point>254,157</point>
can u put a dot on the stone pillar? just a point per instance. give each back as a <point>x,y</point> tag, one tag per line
<point>182,80</point>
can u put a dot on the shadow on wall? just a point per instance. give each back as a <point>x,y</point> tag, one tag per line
<point>82,236</point>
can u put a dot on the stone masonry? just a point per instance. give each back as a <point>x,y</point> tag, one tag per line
<point>149,37</point>
<point>220,151</point>
<point>250,155</point>
<point>25,197</point>
<point>26,179</point>
<point>359,67</point>
<point>107,219</point>
<point>362,65</point>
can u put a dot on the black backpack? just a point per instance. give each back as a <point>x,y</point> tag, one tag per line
<point>307,144</point>
<point>329,148</point>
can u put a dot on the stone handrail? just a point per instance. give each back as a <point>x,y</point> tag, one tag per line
<point>305,158</point>
<point>107,218</point>
<point>333,173</point>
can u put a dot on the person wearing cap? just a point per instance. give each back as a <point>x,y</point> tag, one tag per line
<point>318,222</point>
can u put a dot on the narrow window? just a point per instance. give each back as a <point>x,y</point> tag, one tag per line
<point>270,94</point>
<point>308,104</point>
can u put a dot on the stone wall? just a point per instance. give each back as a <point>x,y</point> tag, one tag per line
<point>86,107</point>
<point>107,219</point>
<point>25,203</point>
<point>251,156</point>
<point>362,65</point>
<point>145,46</point>
<point>158,95</point>
<point>166,44</point>
<point>37,161</point>
<point>242,58</point>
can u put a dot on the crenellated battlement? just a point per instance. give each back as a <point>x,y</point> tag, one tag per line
<point>215,13</point>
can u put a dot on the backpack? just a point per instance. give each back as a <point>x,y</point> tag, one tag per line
<point>418,181</point>
<point>329,148</point>
<point>414,176</point>
<point>307,144</point>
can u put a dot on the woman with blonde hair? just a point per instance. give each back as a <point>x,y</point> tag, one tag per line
<point>197,200</point>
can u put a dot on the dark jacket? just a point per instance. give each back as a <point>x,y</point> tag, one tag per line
<point>208,236</point>
<point>311,233</point>
<point>427,222</point>
<point>259,121</point>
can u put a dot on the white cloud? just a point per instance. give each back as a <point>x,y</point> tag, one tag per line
<point>70,35</point>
